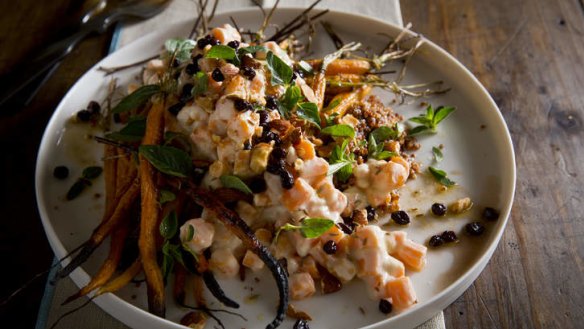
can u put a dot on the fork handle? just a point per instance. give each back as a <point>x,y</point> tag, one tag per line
<point>26,74</point>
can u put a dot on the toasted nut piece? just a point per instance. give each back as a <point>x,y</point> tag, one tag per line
<point>360,217</point>
<point>195,320</point>
<point>241,165</point>
<point>217,169</point>
<point>259,157</point>
<point>461,205</point>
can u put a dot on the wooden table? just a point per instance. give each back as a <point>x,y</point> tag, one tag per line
<point>530,56</point>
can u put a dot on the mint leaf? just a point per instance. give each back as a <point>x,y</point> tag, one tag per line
<point>441,113</point>
<point>419,130</point>
<point>333,168</point>
<point>169,225</point>
<point>251,50</point>
<point>441,177</point>
<point>234,182</point>
<point>132,132</point>
<point>190,233</point>
<point>167,260</point>
<point>291,97</point>
<point>181,48</point>
<point>77,188</point>
<point>430,120</point>
<point>201,83</point>
<point>315,227</point>
<point>339,155</point>
<point>167,159</point>
<point>309,227</point>
<point>437,154</point>
<point>384,133</point>
<point>383,155</point>
<point>280,71</point>
<point>334,103</point>
<point>309,112</point>
<point>341,130</point>
<point>91,172</point>
<point>166,196</point>
<point>221,52</point>
<point>136,99</point>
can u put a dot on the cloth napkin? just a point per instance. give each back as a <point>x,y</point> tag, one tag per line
<point>92,316</point>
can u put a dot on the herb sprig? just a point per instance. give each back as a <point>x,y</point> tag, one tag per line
<point>88,174</point>
<point>441,176</point>
<point>430,120</point>
<point>309,227</point>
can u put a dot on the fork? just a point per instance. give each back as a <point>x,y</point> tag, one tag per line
<point>46,61</point>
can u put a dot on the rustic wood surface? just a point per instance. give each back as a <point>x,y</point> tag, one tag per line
<point>530,56</point>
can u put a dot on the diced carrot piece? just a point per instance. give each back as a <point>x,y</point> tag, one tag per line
<point>252,261</point>
<point>309,265</point>
<point>401,292</point>
<point>334,233</point>
<point>305,150</point>
<point>412,254</point>
<point>301,286</point>
<point>300,193</point>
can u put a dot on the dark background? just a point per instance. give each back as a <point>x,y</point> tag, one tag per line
<point>528,53</point>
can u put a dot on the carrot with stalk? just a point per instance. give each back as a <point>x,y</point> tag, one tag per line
<point>150,216</point>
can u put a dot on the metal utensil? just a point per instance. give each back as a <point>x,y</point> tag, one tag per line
<point>80,14</point>
<point>98,23</point>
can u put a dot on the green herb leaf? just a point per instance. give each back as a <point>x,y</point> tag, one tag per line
<point>77,188</point>
<point>441,177</point>
<point>291,97</point>
<point>341,130</point>
<point>169,225</point>
<point>221,52</point>
<point>441,113</point>
<point>167,159</point>
<point>384,133</point>
<point>385,155</point>
<point>167,260</point>
<point>430,120</point>
<point>339,155</point>
<point>91,172</point>
<point>315,227</point>
<point>190,233</point>
<point>330,119</point>
<point>136,99</point>
<point>181,48</point>
<point>201,83</point>
<point>234,182</point>
<point>309,227</point>
<point>419,130</point>
<point>166,196</point>
<point>309,112</point>
<point>251,50</point>
<point>333,104</point>
<point>280,71</point>
<point>132,132</point>
<point>437,154</point>
<point>333,168</point>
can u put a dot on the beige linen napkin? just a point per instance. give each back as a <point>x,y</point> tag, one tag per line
<point>92,316</point>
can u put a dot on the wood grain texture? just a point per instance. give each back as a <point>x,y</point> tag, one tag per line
<point>529,55</point>
<point>24,26</point>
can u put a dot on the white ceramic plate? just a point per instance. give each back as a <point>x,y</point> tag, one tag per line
<point>478,155</point>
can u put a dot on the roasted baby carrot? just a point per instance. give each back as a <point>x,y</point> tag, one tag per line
<point>344,66</point>
<point>150,213</point>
